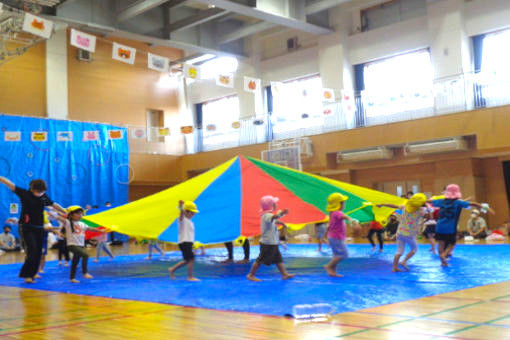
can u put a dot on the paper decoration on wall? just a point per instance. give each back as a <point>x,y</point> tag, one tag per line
<point>277,87</point>
<point>211,127</point>
<point>327,111</point>
<point>305,115</point>
<point>13,208</point>
<point>37,26</point>
<point>64,136</point>
<point>90,135</point>
<point>12,136</point>
<point>328,95</point>
<point>225,80</point>
<point>258,122</point>
<point>236,125</point>
<point>163,132</point>
<point>39,136</point>
<point>186,129</point>
<point>83,41</point>
<point>123,53</point>
<point>348,104</point>
<point>158,63</point>
<point>191,71</point>
<point>115,134</point>
<point>251,84</point>
<point>138,133</point>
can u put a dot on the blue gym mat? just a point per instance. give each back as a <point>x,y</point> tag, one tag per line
<point>368,280</point>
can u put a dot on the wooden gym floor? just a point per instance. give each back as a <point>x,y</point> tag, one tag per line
<point>476,313</point>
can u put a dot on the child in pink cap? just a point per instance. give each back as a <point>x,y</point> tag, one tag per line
<point>450,208</point>
<point>269,240</point>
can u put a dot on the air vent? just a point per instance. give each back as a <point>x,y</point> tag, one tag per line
<point>84,55</point>
<point>364,155</point>
<point>438,146</point>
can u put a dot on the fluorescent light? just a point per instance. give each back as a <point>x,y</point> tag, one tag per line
<point>198,59</point>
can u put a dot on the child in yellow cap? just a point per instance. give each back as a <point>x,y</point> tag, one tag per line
<point>336,231</point>
<point>412,215</point>
<point>187,209</point>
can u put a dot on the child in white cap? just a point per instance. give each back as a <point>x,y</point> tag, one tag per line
<point>269,250</point>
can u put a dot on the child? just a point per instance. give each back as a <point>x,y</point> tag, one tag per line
<point>153,244</point>
<point>429,229</point>
<point>282,234</point>
<point>476,225</point>
<point>102,245</point>
<point>187,209</point>
<point>75,235</point>
<point>320,232</point>
<point>376,228</point>
<point>446,229</point>
<point>33,202</point>
<point>336,232</point>
<point>269,251</point>
<point>391,228</point>
<point>63,252</point>
<point>412,214</point>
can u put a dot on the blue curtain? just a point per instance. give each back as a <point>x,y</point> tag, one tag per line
<point>477,61</point>
<point>269,125</point>
<point>76,171</point>
<point>199,116</point>
<point>359,77</point>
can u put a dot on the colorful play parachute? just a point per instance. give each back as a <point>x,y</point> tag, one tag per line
<point>228,198</point>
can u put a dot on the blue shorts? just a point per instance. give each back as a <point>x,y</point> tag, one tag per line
<point>321,230</point>
<point>338,247</point>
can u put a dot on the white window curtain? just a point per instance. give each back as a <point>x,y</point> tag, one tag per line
<point>297,108</point>
<point>495,75</point>
<point>218,116</point>
<point>398,88</point>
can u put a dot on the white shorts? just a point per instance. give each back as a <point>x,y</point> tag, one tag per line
<point>403,240</point>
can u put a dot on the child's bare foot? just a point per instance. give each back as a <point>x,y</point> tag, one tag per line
<point>41,271</point>
<point>329,271</point>
<point>37,276</point>
<point>111,258</point>
<point>288,276</point>
<point>194,279</point>
<point>245,261</point>
<point>396,269</point>
<point>148,258</point>
<point>404,264</point>
<point>66,264</point>
<point>59,263</point>
<point>335,275</point>
<point>172,275</point>
<point>96,260</point>
<point>74,281</point>
<point>88,276</point>
<point>227,261</point>
<point>29,280</point>
<point>253,278</point>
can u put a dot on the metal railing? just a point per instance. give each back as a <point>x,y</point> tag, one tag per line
<point>459,93</point>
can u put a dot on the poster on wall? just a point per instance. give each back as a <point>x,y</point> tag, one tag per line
<point>123,53</point>
<point>192,72</point>
<point>115,134</point>
<point>186,130</point>
<point>328,95</point>
<point>276,87</point>
<point>236,125</point>
<point>39,136</point>
<point>251,84</point>
<point>64,136</point>
<point>158,63</point>
<point>83,41</point>
<point>138,133</point>
<point>163,132</point>
<point>90,135</point>
<point>12,136</point>
<point>37,26</point>
<point>225,80</point>
<point>13,208</point>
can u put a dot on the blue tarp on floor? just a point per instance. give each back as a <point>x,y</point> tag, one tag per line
<point>368,280</point>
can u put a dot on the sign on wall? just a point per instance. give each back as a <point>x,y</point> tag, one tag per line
<point>83,41</point>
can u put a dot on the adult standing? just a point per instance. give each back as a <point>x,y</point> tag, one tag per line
<point>33,202</point>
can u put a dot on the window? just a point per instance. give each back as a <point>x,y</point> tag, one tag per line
<point>296,106</point>
<point>155,120</point>
<point>217,127</point>
<point>398,85</point>
<point>392,12</point>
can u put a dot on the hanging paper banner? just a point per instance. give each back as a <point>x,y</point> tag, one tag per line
<point>348,104</point>
<point>158,63</point>
<point>276,87</point>
<point>13,208</point>
<point>123,53</point>
<point>90,135</point>
<point>115,134</point>
<point>305,115</point>
<point>225,80</point>
<point>258,122</point>
<point>328,95</point>
<point>64,136</point>
<point>211,127</point>
<point>83,41</point>
<point>191,71</point>
<point>236,125</point>
<point>12,136</point>
<point>251,84</point>
<point>39,136</point>
<point>327,111</point>
<point>163,132</point>
<point>186,129</point>
<point>37,26</point>
<point>138,133</point>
